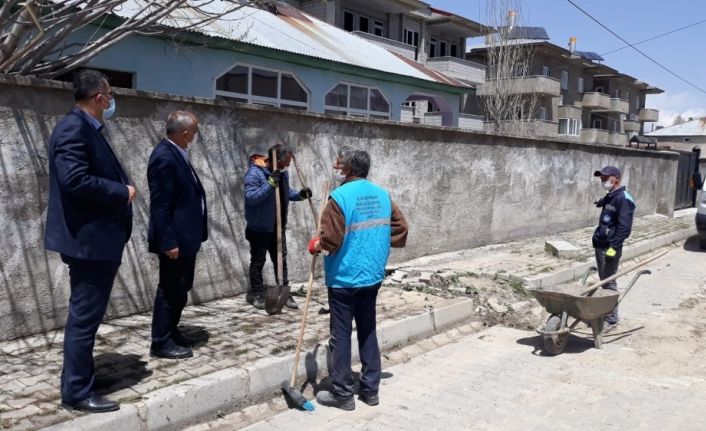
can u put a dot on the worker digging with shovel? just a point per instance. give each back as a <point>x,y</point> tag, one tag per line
<point>263,179</point>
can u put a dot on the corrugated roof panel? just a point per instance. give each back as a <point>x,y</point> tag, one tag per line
<point>690,128</point>
<point>293,31</point>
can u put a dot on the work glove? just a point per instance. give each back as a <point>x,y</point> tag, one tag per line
<point>305,193</point>
<point>599,202</point>
<point>275,178</point>
<point>312,246</point>
<point>610,253</point>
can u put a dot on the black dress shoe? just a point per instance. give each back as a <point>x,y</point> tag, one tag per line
<point>170,350</point>
<point>183,340</point>
<point>93,404</point>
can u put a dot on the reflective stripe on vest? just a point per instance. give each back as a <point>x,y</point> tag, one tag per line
<point>367,224</point>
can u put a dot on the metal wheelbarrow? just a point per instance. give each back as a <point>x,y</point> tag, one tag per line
<point>562,302</point>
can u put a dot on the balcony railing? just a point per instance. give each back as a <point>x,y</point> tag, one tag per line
<point>570,111</point>
<point>594,136</point>
<point>392,45</point>
<point>650,115</point>
<point>631,126</point>
<point>521,85</point>
<point>618,139</point>
<point>596,100</point>
<point>458,68</point>
<point>619,105</point>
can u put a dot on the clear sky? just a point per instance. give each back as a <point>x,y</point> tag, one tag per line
<point>683,52</point>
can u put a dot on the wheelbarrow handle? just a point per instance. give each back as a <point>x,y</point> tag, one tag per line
<point>595,286</point>
<point>588,273</point>
<point>632,283</point>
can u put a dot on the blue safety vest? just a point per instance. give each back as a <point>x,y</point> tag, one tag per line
<point>361,260</point>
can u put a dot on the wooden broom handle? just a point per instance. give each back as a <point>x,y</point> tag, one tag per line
<point>309,287</point>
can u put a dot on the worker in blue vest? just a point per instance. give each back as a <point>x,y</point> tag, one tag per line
<point>614,227</point>
<point>359,225</point>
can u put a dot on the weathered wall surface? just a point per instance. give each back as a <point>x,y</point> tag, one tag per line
<point>458,189</point>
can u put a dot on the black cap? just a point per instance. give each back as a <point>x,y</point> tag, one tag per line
<point>608,171</point>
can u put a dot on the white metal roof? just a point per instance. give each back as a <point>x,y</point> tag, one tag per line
<point>293,31</point>
<point>695,127</point>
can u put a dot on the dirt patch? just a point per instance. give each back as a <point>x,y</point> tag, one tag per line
<point>498,301</point>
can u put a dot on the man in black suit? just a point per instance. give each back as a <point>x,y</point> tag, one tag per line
<point>178,226</point>
<point>89,220</point>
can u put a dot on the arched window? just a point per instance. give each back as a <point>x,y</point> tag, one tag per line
<point>357,101</point>
<point>263,86</point>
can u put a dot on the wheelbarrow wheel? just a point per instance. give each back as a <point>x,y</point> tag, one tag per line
<point>554,344</point>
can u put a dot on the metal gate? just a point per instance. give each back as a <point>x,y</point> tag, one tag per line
<point>686,189</point>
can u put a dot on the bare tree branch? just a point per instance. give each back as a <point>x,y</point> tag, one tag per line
<point>509,102</point>
<point>46,50</point>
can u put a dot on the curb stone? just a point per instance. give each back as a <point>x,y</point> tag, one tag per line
<point>187,402</point>
<point>576,272</point>
<point>127,419</point>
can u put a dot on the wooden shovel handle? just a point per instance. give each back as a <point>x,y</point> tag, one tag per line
<point>303,183</point>
<point>278,218</point>
<point>595,286</point>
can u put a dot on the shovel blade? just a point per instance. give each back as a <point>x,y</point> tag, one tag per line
<point>276,298</point>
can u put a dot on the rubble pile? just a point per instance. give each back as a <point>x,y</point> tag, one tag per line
<point>499,301</point>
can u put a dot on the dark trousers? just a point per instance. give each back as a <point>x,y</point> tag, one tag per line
<point>262,243</point>
<point>91,283</point>
<point>176,277</point>
<point>608,266</point>
<point>347,304</point>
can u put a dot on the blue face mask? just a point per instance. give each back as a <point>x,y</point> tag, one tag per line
<point>111,109</point>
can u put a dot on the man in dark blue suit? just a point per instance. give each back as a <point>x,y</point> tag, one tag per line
<point>178,226</point>
<point>89,220</point>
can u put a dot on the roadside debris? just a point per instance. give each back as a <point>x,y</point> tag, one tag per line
<point>499,301</point>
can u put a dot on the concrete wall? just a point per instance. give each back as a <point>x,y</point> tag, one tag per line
<point>458,189</point>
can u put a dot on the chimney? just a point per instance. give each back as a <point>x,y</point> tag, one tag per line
<point>572,44</point>
<point>511,19</point>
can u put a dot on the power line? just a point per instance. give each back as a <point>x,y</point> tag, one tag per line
<point>656,37</point>
<point>637,49</point>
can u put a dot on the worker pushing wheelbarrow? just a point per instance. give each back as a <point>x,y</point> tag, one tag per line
<point>589,305</point>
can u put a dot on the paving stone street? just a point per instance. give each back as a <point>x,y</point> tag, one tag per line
<point>232,334</point>
<point>649,375</point>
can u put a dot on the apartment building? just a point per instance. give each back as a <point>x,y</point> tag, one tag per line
<point>578,97</point>
<point>282,55</point>
<point>419,33</point>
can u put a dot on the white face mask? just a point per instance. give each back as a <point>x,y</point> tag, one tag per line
<point>607,185</point>
<point>338,177</point>
<point>195,140</point>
